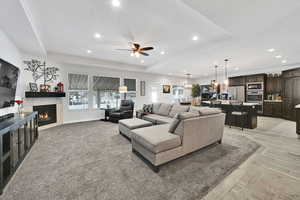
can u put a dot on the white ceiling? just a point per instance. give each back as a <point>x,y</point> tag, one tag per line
<point>241,30</point>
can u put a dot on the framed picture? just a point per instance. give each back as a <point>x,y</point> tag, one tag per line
<point>45,88</point>
<point>33,87</point>
<point>143,88</point>
<point>166,89</point>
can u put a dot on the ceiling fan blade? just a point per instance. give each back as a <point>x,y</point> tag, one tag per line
<point>146,48</point>
<point>124,49</point>
<point>144,54</point>
<point>136,46</point>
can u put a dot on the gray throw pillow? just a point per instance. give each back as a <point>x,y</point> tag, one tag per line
<point>164,109</point>
<point>155,107</point>
<point>178,109</point>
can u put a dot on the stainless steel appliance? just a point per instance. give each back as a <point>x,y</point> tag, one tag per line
<point>255,94</point>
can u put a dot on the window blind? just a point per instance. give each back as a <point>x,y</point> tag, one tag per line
<point>131,84</point>
<point>106,83</point>
<point>78,81</point>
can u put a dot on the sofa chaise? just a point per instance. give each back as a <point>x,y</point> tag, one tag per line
<point>175,131</point>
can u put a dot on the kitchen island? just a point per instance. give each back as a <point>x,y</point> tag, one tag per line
<point>250,108</point>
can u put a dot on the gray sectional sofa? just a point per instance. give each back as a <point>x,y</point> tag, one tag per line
<point>174,131</point>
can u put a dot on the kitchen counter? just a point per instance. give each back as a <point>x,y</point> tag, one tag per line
<point>273,101</point>
<point>297,106</point>
<point>250,108</point>
<point>226,102</point>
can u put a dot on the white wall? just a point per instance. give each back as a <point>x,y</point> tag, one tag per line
<point>10,53</point>
<point>154,84</point>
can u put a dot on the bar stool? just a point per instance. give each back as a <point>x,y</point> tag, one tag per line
<point>236,111</point>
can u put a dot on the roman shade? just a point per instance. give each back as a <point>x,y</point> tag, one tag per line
<point>131,84</point>
<point>106,83</point>
<point>78,81</point>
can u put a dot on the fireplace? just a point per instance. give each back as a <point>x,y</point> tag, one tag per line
<point>46,114</point>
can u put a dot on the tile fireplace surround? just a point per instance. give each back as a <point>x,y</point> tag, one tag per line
<point>30,102</point>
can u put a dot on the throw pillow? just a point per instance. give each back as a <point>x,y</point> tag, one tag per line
<point>155,108</point>
<point>178,109</point>
<point>147,108</point>
<point>164,109</point>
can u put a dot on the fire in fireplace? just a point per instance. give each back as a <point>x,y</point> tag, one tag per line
<point>46,114</point>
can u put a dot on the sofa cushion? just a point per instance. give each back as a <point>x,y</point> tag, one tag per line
<point>155,108</point>
<point>178,109</point>
<point>134,123</point>
<point>195,109</point>
<point>164,109</point>
<point>178,118</point>
<point>175,125</point>
<point>156,138</point>
<point>209,111</point>
<point>157,119</point>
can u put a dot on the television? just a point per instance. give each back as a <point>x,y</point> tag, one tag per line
<point>8,83</point>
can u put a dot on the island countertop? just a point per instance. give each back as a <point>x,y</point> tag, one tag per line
<point>297,106</point>
<point>226,102</point>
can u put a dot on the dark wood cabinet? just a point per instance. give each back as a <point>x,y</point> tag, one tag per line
<point>17,135</point>
<point>274,85</point>
<point>291,92</point>
<point>256,78</point>
<point>237,81</point>
<point>273,109</point>
<point>298,120</point>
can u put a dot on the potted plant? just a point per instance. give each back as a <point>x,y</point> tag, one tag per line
<point>196,92</point>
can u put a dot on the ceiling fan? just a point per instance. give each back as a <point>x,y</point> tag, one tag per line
<point>137,50</point>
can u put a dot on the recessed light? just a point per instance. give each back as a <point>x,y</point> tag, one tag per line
<point>88,51</point>
<point>142,61</point>
<point>278,56</point>
<point>271,50</point>
<point>162,53</point>
<point>116,3</point>
<point>195,37</point>
<point>283,61</point>
<point>236,68</point>
<point>97,35</point>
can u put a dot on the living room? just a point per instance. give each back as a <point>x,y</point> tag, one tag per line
<point>200,102</point>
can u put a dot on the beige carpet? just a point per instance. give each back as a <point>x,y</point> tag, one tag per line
<point>91,160</point>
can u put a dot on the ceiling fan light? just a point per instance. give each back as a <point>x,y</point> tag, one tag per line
<point>131,54</point>
<point>137,54</point>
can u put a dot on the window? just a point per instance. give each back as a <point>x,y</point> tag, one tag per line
<point>131,88</point>
<point>178,92</point>
<point>131,84</point>
<point>78,91</point>
<point>106,92</point>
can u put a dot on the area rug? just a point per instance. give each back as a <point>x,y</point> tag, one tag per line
<point>90,160</point>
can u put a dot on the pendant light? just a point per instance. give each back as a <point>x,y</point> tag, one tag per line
<point>188,85</point>
<point>215,82</point>
<point>226,82</point>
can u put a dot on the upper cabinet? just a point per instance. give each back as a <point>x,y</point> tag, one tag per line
<point>256,78</point>
<point>237,81</point>
<point>291,92</point>
<point>274,84</point>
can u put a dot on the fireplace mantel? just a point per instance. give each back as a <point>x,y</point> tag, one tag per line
<point>44,94</point>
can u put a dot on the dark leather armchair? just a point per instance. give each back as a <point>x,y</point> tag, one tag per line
<point>125,111</point>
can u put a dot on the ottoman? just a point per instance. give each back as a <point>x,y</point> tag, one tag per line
<point>126,125</point>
